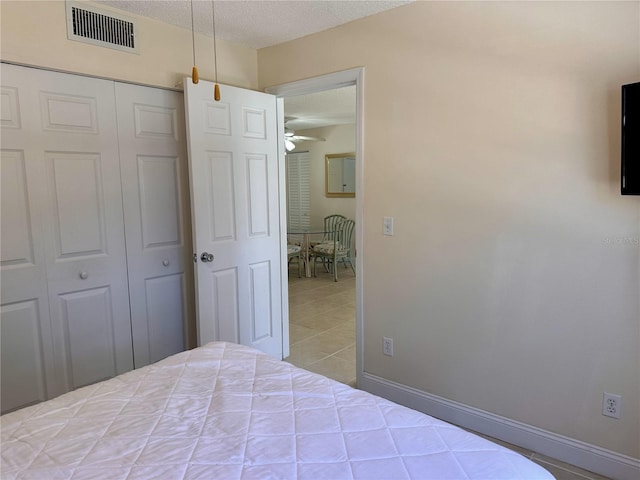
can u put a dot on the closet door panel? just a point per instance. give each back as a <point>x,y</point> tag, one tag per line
<point>87,323</point>
<point>26,353</point>
<point>17,244</point>
<point>76,137</point>
<point>24,375</point>
<point>158,183</point>
<point>9,107</point>
<point>157,219</point>
<point>165,303</point>
<point>77,204</point>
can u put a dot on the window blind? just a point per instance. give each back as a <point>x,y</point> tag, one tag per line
<point>298,192</point>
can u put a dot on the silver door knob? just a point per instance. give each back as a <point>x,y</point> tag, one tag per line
<point>84,275</point>
<point>166,262</point>
<point>206,257</point>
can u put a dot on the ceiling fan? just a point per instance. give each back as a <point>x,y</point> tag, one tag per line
<point>290,137</point>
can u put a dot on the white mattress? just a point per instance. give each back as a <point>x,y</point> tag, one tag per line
<point>225,411</point>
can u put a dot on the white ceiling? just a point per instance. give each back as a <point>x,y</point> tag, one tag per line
<point>257,23</point>
<point>322,109</point>
<point>262,23</point>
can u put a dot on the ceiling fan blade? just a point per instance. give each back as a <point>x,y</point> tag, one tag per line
<point>304,138</point>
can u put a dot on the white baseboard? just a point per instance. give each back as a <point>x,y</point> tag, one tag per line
<point>581,454</point>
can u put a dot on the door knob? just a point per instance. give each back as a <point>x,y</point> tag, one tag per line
<point>84,275</point>
<point>206,257</point>
<point>166,262</point>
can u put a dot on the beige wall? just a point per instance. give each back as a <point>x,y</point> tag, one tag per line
<point>492,135</point>
<point>35,33</point>
<point>339,139</point>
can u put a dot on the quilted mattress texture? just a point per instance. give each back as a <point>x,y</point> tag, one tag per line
<point>224,411</point>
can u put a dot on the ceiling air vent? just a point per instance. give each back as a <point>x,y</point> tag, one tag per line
<point>91,25</point>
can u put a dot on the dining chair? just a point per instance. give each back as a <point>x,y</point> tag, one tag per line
<point>330,225</point>
<point>339,250</point>
<point>294,251</point>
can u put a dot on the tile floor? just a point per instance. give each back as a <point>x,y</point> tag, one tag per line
<point>560,470</point>
<point>322,340</point>
<point>322,326</point>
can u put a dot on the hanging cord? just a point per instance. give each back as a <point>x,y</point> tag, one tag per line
<point>216,88</point>
<point>194,71</point>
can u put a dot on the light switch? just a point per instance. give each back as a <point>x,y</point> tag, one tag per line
<point>387,228</point>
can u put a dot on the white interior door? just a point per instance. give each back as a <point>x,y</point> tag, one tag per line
<point>234,169</point>
<point>153,163</point>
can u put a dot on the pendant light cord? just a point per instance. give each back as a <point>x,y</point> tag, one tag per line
<point>193,36</point>
<point>194,71</point>
<point>216,87</point>
<point>215,51</point>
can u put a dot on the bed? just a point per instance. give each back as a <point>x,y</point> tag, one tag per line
<point>225,411</point>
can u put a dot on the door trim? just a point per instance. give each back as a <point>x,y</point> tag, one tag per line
<point>344,78</point>
<point>177,88</point>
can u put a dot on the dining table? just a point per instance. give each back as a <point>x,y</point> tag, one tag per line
<point>305,251</point>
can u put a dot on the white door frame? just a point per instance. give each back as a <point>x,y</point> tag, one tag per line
<point>354,76</point>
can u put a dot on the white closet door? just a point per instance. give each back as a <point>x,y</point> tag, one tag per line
<point>154,169</point>
<point>72,138</point>
<point>26,351</point>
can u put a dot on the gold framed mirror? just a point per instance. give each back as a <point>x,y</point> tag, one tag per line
<point>340,175</point>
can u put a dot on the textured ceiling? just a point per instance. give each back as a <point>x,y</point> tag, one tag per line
<point>331,107</point>
<point>256,23</point>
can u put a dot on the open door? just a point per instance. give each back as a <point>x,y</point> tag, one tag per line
<point>233,166</point>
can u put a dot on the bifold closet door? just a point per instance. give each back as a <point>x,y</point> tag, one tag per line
<point>69,146</point>
<point>26,351</point>
<point>153,160</point>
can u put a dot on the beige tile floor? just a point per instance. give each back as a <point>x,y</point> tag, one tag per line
<point>560,470</point>
<point>322,326</point>
<point>322,340</point>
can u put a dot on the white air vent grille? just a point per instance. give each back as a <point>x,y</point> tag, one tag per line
<point>90,25</point>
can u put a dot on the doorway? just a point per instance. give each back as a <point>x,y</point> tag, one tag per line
<point>306,286</point>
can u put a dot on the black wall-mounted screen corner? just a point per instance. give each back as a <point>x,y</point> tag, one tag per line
<point>631,139</point>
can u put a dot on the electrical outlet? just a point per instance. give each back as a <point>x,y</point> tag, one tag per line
<point>611,405</point>
<point>387,346</point>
